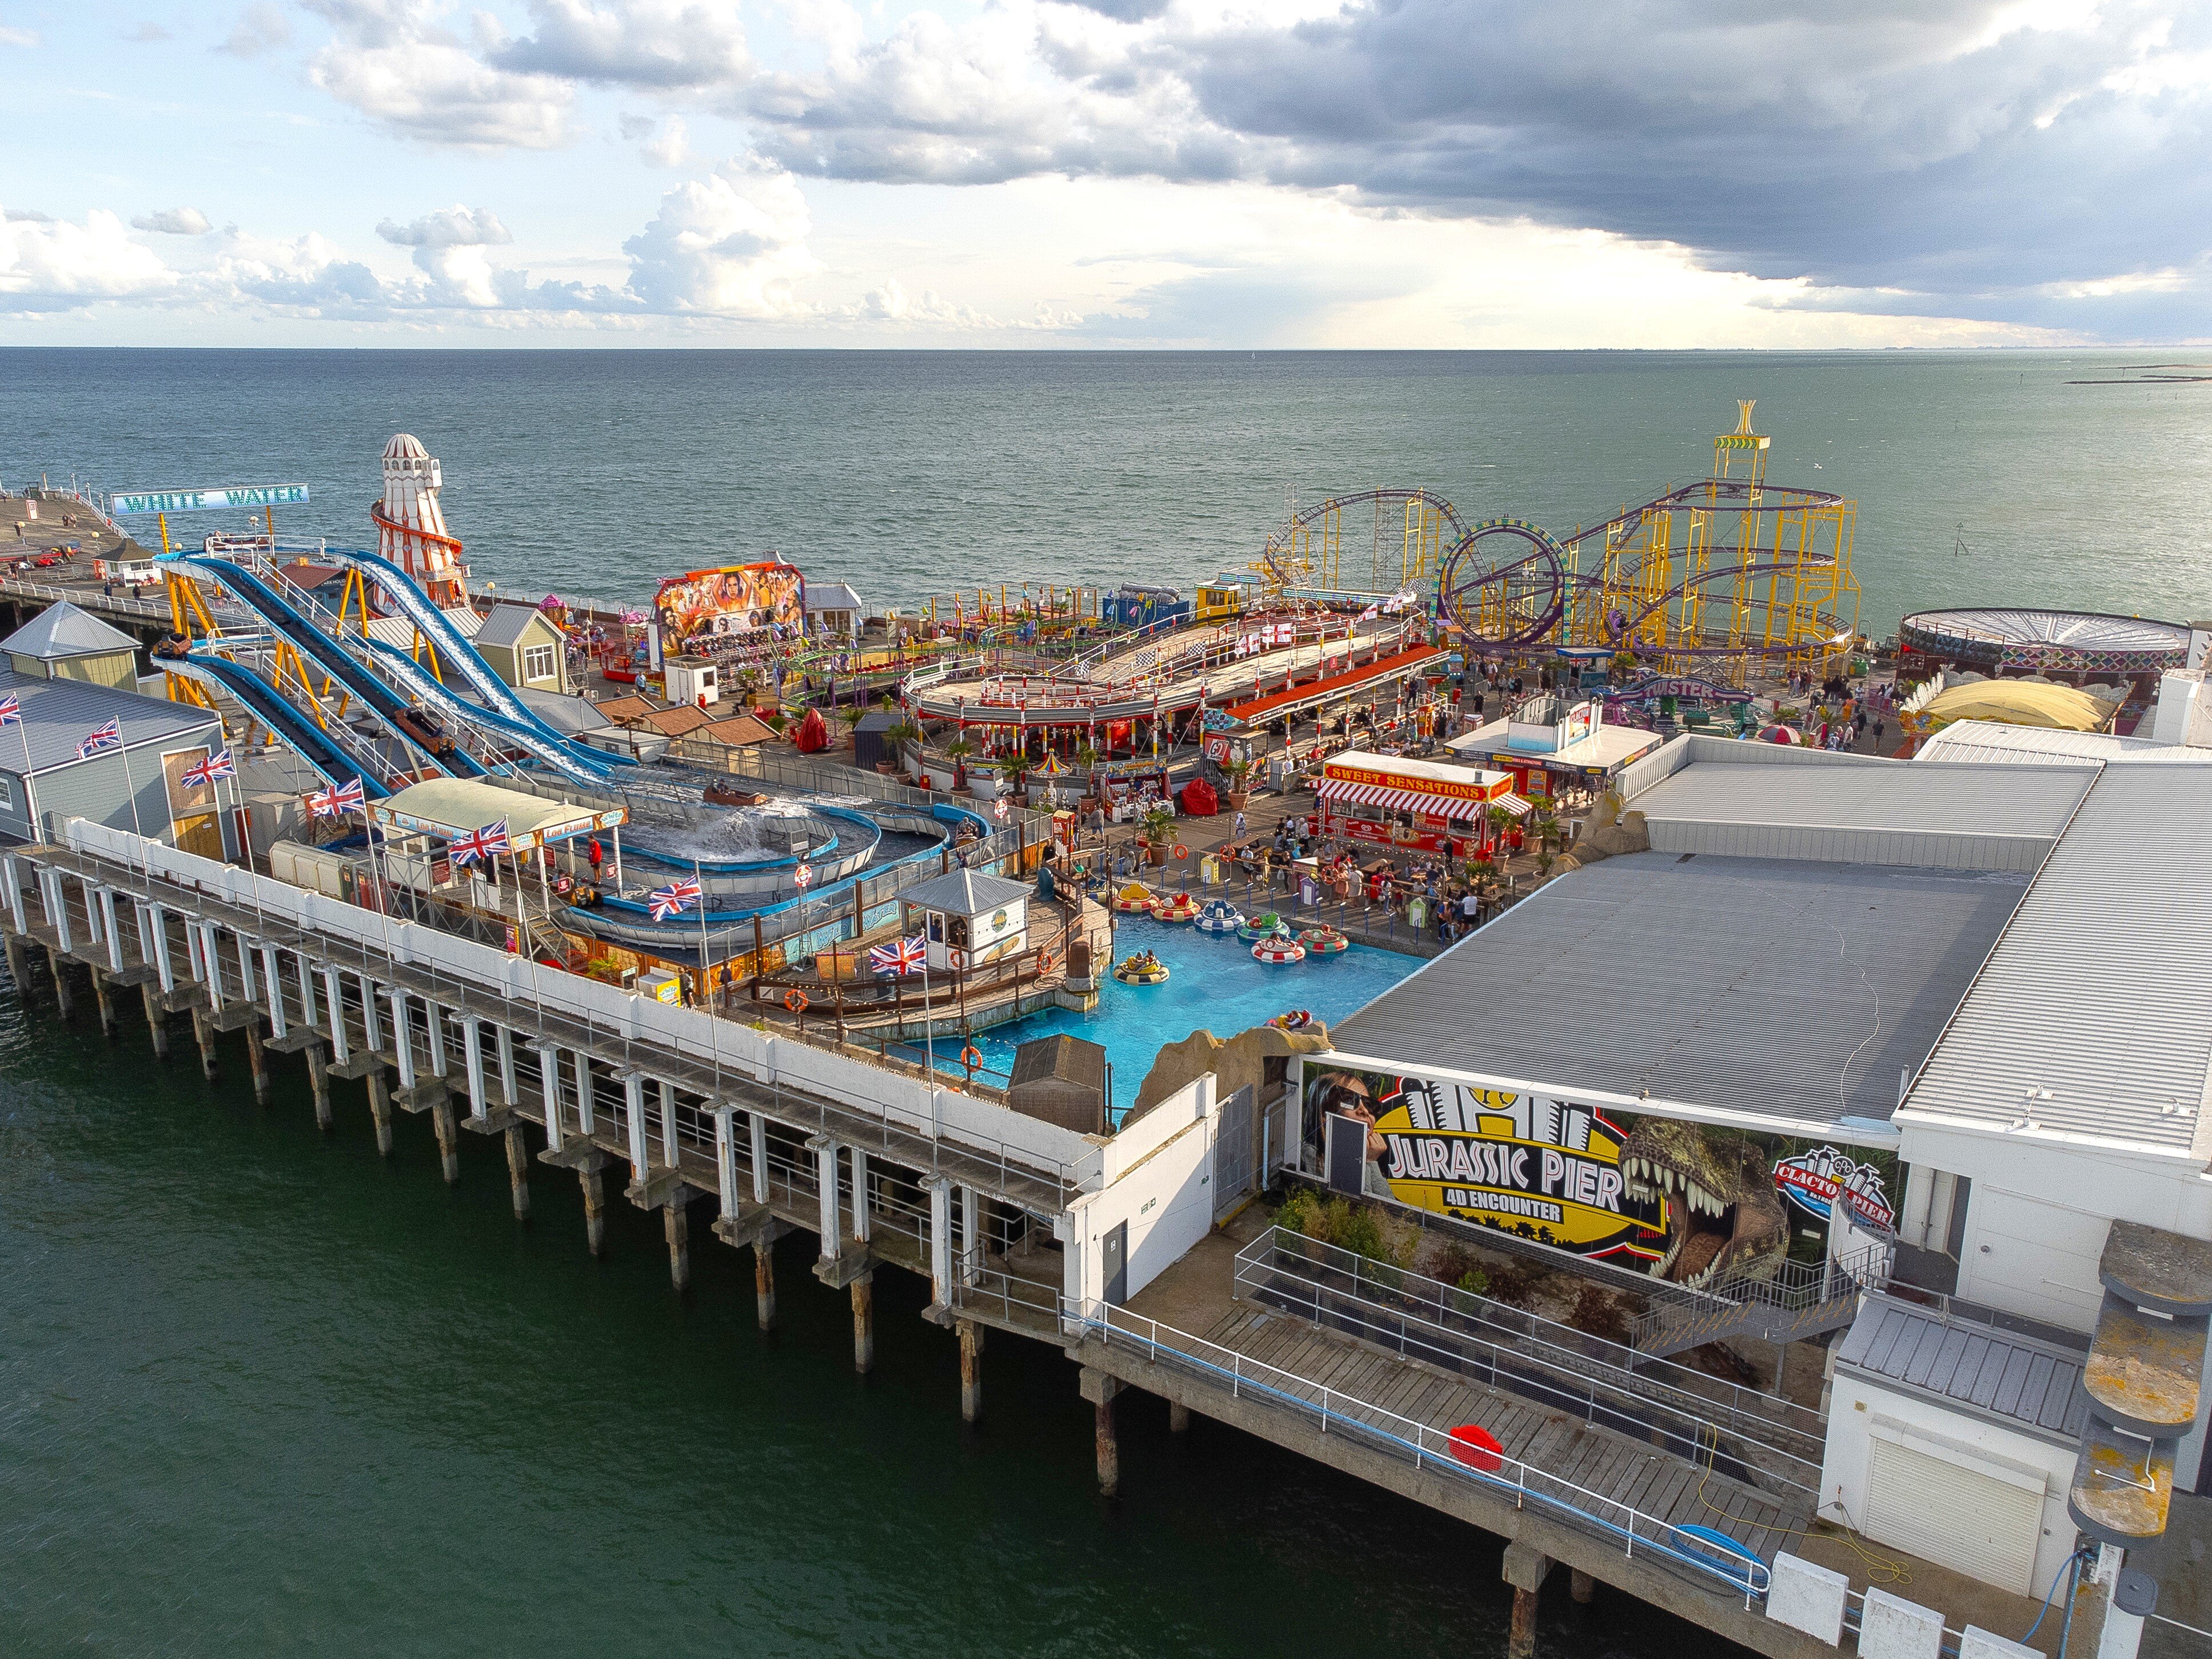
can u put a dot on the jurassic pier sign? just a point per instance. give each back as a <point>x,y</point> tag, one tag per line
<point>1541,1167</point>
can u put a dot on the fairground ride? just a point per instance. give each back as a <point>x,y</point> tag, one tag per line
<point>1409,533</point>
<point>1704,578</point>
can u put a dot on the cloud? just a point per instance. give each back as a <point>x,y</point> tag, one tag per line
<point>392,61</point>
<point>28,217</point>
<point>53,264</point>
<point>672,148</point>
<point>730,244</point>
<point>663,45</point>
<point>23,39</point>
<point>147,33</point>
<point>174,221</point>
<point>261,27</point>
<point>458,226</point>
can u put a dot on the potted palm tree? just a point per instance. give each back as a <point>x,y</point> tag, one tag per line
<point>1157,826</point>
<point>1240,776</point>
<point>904,741</point>
<point>958,751</point>
<point>1500,822</point>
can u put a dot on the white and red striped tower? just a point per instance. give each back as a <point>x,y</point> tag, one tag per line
<point>410,526</point>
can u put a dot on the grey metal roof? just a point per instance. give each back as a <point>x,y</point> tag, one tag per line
<point>506,625</point>
<point>831,596</point>
<point>965,893</point>
<point>1765,988</point>
<point>59,714</point>
<point>1996,743</point>
<point>1916,796</point>
<point>62,630</point>
<point>2093,1015</point>
<point>2032,1383</point>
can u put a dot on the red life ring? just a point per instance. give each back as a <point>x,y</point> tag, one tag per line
<point>971,1057</point>
<point>1182,851</point>
<point>1046,961</point>
<point>795,999</point>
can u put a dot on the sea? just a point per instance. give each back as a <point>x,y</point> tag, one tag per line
<point>264,1392</point>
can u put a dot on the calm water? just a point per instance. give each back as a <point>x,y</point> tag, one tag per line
<point>262,1392</point>
<point>1980,475</point>
<point>1213,984</point>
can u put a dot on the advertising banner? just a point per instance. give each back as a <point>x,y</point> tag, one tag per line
<point>1535,1165</point>
<point>1811,1181</point>
<point>692,610</point>
<point>202,500</point>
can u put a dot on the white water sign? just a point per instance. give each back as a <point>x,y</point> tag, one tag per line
<point>200,501</point>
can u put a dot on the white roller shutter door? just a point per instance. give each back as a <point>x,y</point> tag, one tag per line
<point>1955,1517</point>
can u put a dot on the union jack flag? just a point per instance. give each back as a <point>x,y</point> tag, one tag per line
<point>485,843</point>
<point>349,797</point>
<point>11,712</point>
<point>217,765</point>
<point>672,900</point>
<point>901,956</point>
<point>109,736</point>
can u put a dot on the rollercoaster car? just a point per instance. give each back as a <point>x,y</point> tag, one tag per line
<point>172,647</point>
<point>424,726</point>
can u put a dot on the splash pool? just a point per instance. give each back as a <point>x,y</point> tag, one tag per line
<point>1213,985</point>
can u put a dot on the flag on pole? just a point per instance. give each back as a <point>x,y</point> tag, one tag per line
<point>903,956</point>
<point>108,736</point>
<point>203,774</point>
<point>488,843</point>
<point>11,712</point>
<point>672,900</point>
<point>349,797</point>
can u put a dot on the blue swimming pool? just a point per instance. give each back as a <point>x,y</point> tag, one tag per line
<point>1213,985</point>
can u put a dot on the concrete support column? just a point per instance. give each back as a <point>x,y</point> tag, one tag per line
<point>971,1371</point>
<point>971,1237</point>
<point>1110,1449</point>
<point>940,1241</point>
<point>157,1023</point>
<point>447,1124</point>
<point>203,1034</point>
<point>157,930</point>
<point>1178,1418</point>
<point>726,1161</point>
<point>108,929</point>
<point>105,998</point>
<point>1525,1569</point>
<point>435,1021</point>
<point>864,1323</point>
<point>62,996</point>
<point>304,977</point>
<point>860,1160</point>
<point>379,1109</point>
<point>756,1140</point>
<point>764,1283</point>
<point>595,1209</point>
<point>640,1154</point>
<point>587,1109</point>
<point>518,1169</point>
<point>678,1226</point>
<point>668,1149</point>
<point>371,1038</point>
<point>1581,1587</point>
<point>319,1079</point>
<point>341,1048</point>
<point>472,1062</point>
<point>825,1176</point>
<point>510,1091</point>
<point>256,1057</point>
<point>548,1085</point>
<point>403,1038</point>
<point>275,981</point>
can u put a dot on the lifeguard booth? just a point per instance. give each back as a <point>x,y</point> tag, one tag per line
<point>967,919</point>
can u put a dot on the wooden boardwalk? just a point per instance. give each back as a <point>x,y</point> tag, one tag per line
<point>1364,1384</point>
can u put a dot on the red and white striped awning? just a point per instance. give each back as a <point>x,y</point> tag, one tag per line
<point>1346,792</point>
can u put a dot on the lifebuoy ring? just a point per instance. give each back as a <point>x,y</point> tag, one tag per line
<point>795,999</point>
<point>1182,851</point>
<point>1046,961</point>
<point>971,1057</point>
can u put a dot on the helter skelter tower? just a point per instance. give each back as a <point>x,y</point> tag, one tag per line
<point>410,526</point>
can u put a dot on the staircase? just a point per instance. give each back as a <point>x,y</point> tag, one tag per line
<point>1802,1299</point>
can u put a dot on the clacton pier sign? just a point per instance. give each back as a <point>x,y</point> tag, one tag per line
<point>200,501</point>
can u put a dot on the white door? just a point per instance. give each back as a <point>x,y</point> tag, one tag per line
<point>1955,1517</point>
<point>2030,1255</point>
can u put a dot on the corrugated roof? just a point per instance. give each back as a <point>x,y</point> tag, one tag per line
<point>831,596</point>
<point>62,630</point>
<point>2093,1015</point>
<point>965,893</point>
<point>1918,797</point>
<point>2032,1383</point>
<point>506,624</point>
<point>1768,987</point>
<point>1992,743</point>
<point>59,714</point>
<point>397,630</point>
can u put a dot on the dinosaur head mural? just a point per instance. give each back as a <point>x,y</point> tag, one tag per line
<point>1724,1215</point>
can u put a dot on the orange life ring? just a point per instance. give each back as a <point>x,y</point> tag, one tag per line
<point>1046,961</point>
<point>795,999</point>
<point>971,1057</point>
<point>1182,851</point>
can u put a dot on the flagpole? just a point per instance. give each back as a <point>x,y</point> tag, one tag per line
<point>123,744</point>
<point>705,982</point>
<point>30,789</point>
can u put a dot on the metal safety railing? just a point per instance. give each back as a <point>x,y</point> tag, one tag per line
<point>1703,1555</point>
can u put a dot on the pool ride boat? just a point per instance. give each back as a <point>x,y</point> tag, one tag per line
<point>1135,899</point>
<point>1292,1019</point>
<point>1175,907</point>
<point>1218,915</point>
<point>1142,969</point>
<point>1260,927</point>
<point>1324,941</point>
<point>1278,947</point>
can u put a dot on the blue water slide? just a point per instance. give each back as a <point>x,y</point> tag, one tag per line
<point>429,688</point>
<point>326,653</point>
<point>336,765</point>
<point>454,651</point>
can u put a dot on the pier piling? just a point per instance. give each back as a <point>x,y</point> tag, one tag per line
<point>109,1025</point>
<point>971,1371</point>
<point>319,1079</point>
<point>380,1108</point>
<point>257,1059</point>
<point>1525,1569</point>
<point>19,961</point>
<point>518,1169</point>
<point>595,1208</point>
<point>449,1137</point>
<point>764,1283</point>
<point>1178,1418</point>
<point>157,1023</point>
<point>62,996</point>
<point>203,1034</point>
<point>678,1226</point>
<point>864,1323</point>
<point>1581,1586</point>
<point>1100,1389</point>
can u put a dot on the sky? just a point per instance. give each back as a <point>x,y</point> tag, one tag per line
<point>1422,174</point>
